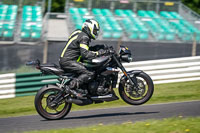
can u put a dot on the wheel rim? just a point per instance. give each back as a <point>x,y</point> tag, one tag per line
<point>141,93</point>
<point>45,103</point>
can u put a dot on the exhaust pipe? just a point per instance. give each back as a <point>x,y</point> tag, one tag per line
<point>79,101</point>
<point>106,98</point>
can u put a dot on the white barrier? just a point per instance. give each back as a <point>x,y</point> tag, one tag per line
<point>7,76</point>
<point>169,70</point>
<point>161,71</point>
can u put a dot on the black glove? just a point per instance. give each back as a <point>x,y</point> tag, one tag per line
<point>102,52</point>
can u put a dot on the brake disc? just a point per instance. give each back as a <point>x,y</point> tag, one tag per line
<point>49,100</point>
<point>141,89</point>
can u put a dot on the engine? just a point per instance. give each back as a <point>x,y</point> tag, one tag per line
<point>101,86</point>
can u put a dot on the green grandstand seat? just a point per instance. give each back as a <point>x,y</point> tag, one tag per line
<point>8,26</point>
<point>36,27</point>
<point>107,34</point>
<point>27,19</point>
<point>36,8</point>
<point>35,35</point>
<point>78,25</point>
<point>36,19</point>
<point>120,12</point>
<point>13,7</point>
<point>129,13</point>
<point>152,14</point>
<point>170,37</point>
<point>109,25</point>
<point>8,33</point>
<point>175,15</point>
<point>117,34</point>
<point>73,11</point>
<point>133,35</point>
<point>1,29</point>
<point>197,34</point>
<point>27,9</point>
<point>1,32</point>
<point>143,13</point>
<point>2,11</point>
<point>166,15</point>
<point>96,11</point>
<point>11,12</point>
<point>2,17</point>
<point>32,22</point>
<point>106,12</point>
<point>159,34</point>
<point>10,17</point>
<point>83,11</point>
<point>143,34</point>
<point>25,34</point>
<point>4,7</point>
<point>8,14</point>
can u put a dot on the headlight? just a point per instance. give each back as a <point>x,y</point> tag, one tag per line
<point>130,59</point>
<point>126,58</point>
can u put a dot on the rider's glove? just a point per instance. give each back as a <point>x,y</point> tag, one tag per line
<point>102,52</point>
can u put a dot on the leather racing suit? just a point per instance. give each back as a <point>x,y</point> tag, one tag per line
<point>77,48</point>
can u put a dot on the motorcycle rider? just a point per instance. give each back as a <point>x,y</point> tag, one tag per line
<point>77,48</point>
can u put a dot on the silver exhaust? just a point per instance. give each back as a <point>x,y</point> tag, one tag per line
<point>106,98</point>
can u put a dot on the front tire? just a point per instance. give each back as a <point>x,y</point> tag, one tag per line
<point>146,89</point>
<point>42,99</point>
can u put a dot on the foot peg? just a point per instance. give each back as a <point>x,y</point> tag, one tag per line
<point>73,92</point>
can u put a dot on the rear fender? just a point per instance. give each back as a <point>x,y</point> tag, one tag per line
<point>46,87</point>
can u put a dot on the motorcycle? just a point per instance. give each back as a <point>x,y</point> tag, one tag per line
<point>135,87</point>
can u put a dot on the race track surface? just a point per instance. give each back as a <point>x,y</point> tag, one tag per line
<point>105,116</point>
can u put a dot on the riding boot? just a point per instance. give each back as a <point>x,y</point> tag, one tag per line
<point>74,84</point>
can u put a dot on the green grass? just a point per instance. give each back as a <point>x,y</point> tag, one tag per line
<point>169,125</point>
<point>22,69</point>
<point>163,93</point>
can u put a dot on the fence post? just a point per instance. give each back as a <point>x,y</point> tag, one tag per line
<point>45,52</point>
<point>194,45</point>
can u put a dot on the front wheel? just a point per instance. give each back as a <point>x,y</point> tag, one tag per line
<point>44,106</point>
<point>138,96</point>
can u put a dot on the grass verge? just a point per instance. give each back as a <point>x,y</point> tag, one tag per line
<point>169,125</point>
<point>174,92</point>
<point>22,69</point>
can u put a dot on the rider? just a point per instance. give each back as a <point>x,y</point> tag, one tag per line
<point>77,48</point>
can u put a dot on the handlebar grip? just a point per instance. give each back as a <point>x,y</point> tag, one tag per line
<point>35,62</point>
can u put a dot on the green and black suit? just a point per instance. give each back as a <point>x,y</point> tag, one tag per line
<point>77,48</point>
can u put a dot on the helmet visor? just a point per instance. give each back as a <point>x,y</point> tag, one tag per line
<point>96,31</point>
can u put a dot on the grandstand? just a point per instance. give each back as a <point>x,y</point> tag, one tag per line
<point>140,25</point>
<point>154,20</point>
<point>155,28</point>
<point>8,15</point>
<point>21,23</point>
<point>31,25</point>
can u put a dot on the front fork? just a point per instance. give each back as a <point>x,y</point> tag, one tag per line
<point>132,80</point>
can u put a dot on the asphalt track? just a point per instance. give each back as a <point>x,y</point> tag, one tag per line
<point>105,116</point>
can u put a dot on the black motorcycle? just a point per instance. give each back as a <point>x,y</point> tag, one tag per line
<point>135,87</point>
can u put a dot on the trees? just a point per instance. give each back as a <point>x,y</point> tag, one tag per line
<point>193,4</point>
<point>58,5</point>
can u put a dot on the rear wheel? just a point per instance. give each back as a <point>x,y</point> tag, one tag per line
<point>48,109</point>
<point>137,97</point>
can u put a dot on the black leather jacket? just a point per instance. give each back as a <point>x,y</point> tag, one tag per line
<point>77,47</point>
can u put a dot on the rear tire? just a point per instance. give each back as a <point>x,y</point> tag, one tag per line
<point>44,95</point>
<point>146,93</point>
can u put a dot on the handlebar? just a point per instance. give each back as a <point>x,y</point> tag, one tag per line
<point>34,62</point>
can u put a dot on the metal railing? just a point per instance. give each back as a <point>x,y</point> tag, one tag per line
<point>161,71</point>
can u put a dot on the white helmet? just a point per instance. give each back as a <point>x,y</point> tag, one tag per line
<point>91,27</point>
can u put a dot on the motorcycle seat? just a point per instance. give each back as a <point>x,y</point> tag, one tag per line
<point>49,65</point>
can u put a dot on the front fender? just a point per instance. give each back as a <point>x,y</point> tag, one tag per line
<point>131,74</point>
